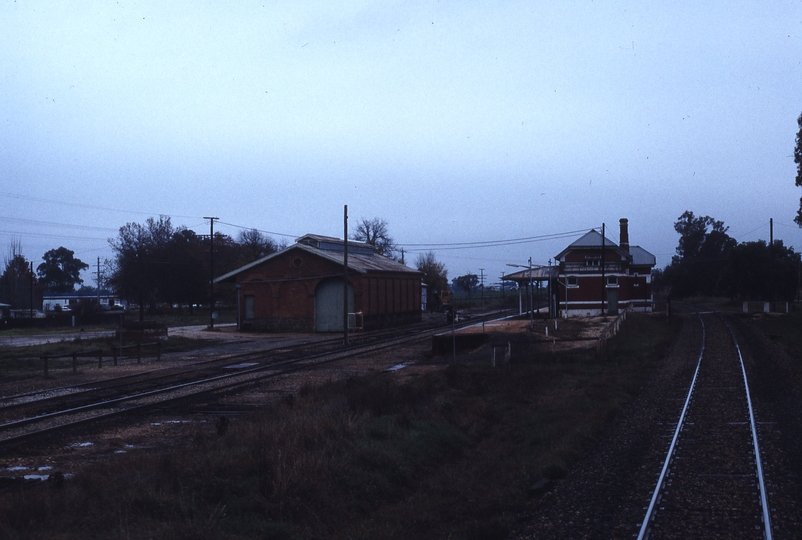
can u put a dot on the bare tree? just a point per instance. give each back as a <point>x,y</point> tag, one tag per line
<point>375,232</point>
<point>254,245</point>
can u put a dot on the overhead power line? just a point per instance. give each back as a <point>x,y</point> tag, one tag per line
<point>91,207</point>
<point>259,230</point>
<point>45,235</point>
<point>491,243</point>
<point>55,224</point>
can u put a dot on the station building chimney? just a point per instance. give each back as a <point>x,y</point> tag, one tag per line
<point>624,236</point>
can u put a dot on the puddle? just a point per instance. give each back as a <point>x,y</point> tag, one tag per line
<point>398,366</point>
<point>242,366</point>
<point>171,422</point>
<point>82,444</point>
<point>18,468</point>
<point>41,477</point>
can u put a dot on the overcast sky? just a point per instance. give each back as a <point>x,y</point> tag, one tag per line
<point>455,121</point>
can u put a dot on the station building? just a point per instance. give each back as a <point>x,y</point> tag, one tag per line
<point>592,276</point>
<point>599,276</point>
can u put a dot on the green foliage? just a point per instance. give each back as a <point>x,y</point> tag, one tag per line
<point>711,263</point>
<point>157,263</point>
<point>435,276</point>
<point>17,281</point>
<point>468,283</point>
<point>61,271</point>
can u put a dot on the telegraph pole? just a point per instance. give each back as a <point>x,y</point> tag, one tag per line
<point>503,300</point>
<point>482,284</point>
<point>211,270</point>
<point>345,275</point>
<point>31,280</point>
<point>98,282</point>
<point>604,285</point>
<point>771,231</point>
<point>531,299</point>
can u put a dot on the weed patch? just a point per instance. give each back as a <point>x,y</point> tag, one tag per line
<point>451,453</point>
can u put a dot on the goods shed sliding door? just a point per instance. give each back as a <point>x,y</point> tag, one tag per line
<point>329,305</point>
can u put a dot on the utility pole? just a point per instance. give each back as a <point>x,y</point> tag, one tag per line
<point>345,275</point>
<point>31,274</point>
<point>604,284</point>
<point>531,301</point>
<point>211,270</point>
<point>482,284</point>
<point>503,302</point>
<point>98,282</point>
<point>771,231</point>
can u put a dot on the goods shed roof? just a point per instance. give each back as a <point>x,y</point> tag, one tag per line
<point>362,260</point>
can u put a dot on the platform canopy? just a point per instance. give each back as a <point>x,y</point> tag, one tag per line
<point>537,273</point>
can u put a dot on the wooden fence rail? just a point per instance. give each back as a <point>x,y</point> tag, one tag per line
<point>116,352</point>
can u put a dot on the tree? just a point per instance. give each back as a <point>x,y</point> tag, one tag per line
<point>798,161</point>
<point>186,274</point>
<point>61,270</point>
<point>141,260</point>
<point>702,256</point>
<point>156,262</point>
<point>375,232</point>
<point>253,245</point>
<point>435,276</point>
<point>18,285</point>
<point>468,283</point>
<point>758,271</point>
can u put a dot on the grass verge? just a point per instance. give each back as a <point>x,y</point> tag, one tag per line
<point>452,453</point>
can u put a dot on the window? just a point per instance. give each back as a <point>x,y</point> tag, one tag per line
<point>572,281</point>
<point>612,281</point>
<point>593,261</point>
<point>249,308</point>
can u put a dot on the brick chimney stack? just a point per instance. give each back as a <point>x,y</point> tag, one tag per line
<point>624,237</point>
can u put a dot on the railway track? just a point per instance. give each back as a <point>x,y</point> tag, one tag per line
<point>31,415</point>
<point>712,483</point>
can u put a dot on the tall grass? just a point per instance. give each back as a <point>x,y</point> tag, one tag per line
<point>448,454</point>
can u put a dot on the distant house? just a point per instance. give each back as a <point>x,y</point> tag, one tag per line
<point>67,301</point>
<point>300,288</point>
<point>596,276</point>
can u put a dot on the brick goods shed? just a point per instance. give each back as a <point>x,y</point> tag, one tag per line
<point>300,288</point>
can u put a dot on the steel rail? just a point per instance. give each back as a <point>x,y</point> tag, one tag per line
<point>270,370</point>
<point>19,401</point>
<point>643,533</point>
<point>650,511</point>
<point>761,481</point>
